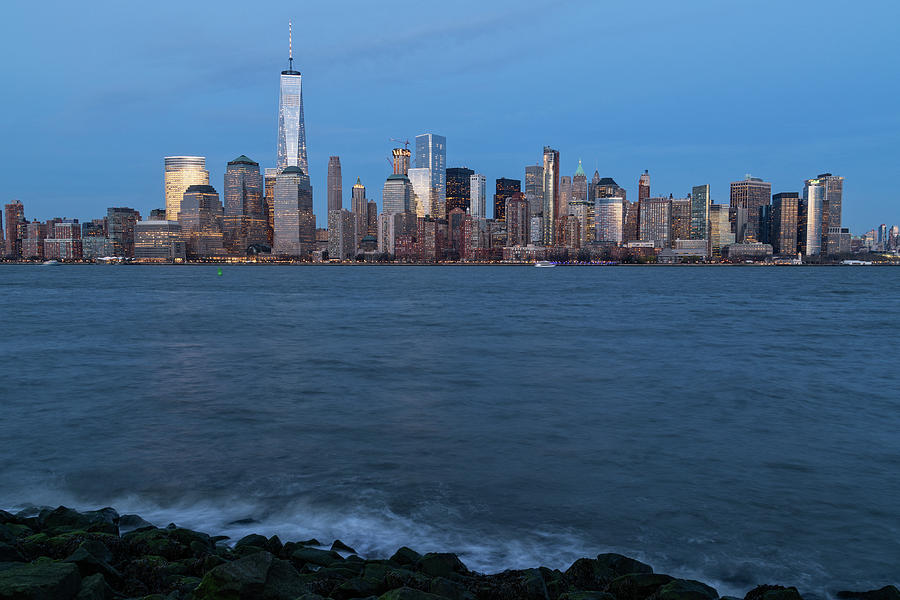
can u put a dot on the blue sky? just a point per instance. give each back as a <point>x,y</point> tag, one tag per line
<point>95,94</point>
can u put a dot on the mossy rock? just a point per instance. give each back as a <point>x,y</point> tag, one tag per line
<point>322,558</point>
<point>441,564</point>
<point>685,589</point>
<point>95,588</point>
<point>407,593</point>
<point>587,595</point>
<point>357,587</point>
<point>259,576</point>
<point>61,519</point>
<point>596,573</point>
<point>888,592</point>
<point>406,556</point>
<point>773,592</point>
<point>19,530</point>
<point>10,554</point>
<point>637,586</point>
<point>43,579</point>
<point>441,586</point>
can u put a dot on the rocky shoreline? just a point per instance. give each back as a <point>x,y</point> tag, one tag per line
<point>62,554</point>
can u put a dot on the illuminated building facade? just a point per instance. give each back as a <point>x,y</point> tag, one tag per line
<point>534,189</point>
<point>14,214</point>
<point>700,212</point>
<point>551,207</point>
<point>342,241</point>
<point>158,241</point>
<point>181,172</point>
<point>335,185</point>
<point>579,185</point>
<point>749,194</point>
<point>503,190</point>
<point>120,222</point>
<point>478,195</point>
<point>421,182</point>
<point>681,219</point>
<point>201,220</point>
<point>609,220</point>
<point>246,221</point>
<point>63,241</point>
<point>644,186</point>
<point>360,207</point>
<point>294,221</point>
<point>518,220</point>
<point>431,153</point>
<point>656,221</point>
<point>458,189</point>
<point>291,124</point>
<point>720,234</point>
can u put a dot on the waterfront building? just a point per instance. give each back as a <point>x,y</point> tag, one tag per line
<point>14,215</point>
<point>536,230</point>
<point>342,242</point>
<point>656,221</point>
<point>246,220</point>
<point>720,234</point>
<point>120,222</point>
<point>181,172</point>
<point>504,189</point>
<point>518,220</point>
<point>609,219</point>
<point>431,153</point>
<point>291,123</point>
<point>478,195</point>
<point>644,186</point>
<point>700,212</point>
<point>294,220</point>
<point>33,240</point>
<point>422,190</point>
<point>454,230</point>
<point>360,207</point>
<point>63,241</point>
<point>201,220</point>
<point>749,194</point>
<point>681,219</point>
<point>810,217</point>
<point>551,207</point>
<point>579,186</point>
<point>752,251</point>
<point>335,185</point>
<point>158,241</point>
<point>458,189</point>
<point>534,189</point>
<point>584,212</point>
<point>94,247</point>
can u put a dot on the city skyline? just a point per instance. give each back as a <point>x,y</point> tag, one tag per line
<point>363,142</point>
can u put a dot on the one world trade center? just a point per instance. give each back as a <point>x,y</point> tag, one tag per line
<point>291,127</point>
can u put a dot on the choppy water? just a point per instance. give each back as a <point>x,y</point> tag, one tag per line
<point>737,425</point>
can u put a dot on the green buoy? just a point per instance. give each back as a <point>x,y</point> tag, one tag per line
<point>220,271</point>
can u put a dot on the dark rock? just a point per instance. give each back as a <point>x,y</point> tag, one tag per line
<point>95,588</point>
<point>406,556</point>
<point>131,522</point>
<point>589,595</point>
<point>211,562</point>
<point>274,545</point>
<point>773,592</point>
<point>339,546</point>
<point>888,592</point>
<point>637,586</point>
<point>19,530</point>
<point>6,517</point>
<point>685,589</point>
<point>254,539</point>
<point>324,558</point>
<point>85,557</point>
<point>105,520</point>
<point>10,554</point>
<point>450,589</point>
<point>311,542</point>
<point>358,587</point>
<point>43,579</point>
<point>311,597</point>
<point>6,535</point>
<point>259,576</point>
<point>441,564</point>
<point>171,543</point>
<point>406,593</point>
<point>594,574</point>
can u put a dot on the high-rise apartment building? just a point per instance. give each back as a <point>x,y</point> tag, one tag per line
<point>504,189</point>
<point>120,223</point>
<point>534,189</point>
<point>681,219</point>
<point>342,242</point>
<point>372,218</point>
<point>518,220</point>
<point>397,196</point>
<point>359,204</point>
<point>749,194</point>
<point>551,208</point>
<point>293,213</point>
<point>812,208</point>
<point>700,212</point>
<point>609,220</point>
<point>644,186</point>
<point>335,185</point>
<point>291,123</point>
<point>478,195</point>
<point>719,230</point>
<point>14,214</point>
<point>246,220</point>
<point>201,219</point>
<point>565,195</point>
<point>431,153</point>
<point>656,221</point>
<point>158,241</point>
<point>458,190</point>
<point>181,172</point>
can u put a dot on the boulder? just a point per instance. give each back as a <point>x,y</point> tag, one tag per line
<point>406,593</point>
<point>594,574</point>
<point>339,546</point>
<point>450,589</point>
<point>132,522</point>
<point>254,539</point>
<point>323,558</point>
<point>94,588</point>
<point>589,595</point>
<point>43,579</point>
<point>89,563</point>
<point>259,576</point>
<point>10,554</point>
<point>358,587</point>
<point>773,592</point>
<point>60,519</point>
<point>6,535</point>
<point>637,586</point>
<point>441,564</point>
<point>405,556</point>
<point>685,589</point>
<point>888,592</point>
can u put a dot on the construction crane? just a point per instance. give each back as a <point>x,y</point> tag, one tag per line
<point>404,142</point>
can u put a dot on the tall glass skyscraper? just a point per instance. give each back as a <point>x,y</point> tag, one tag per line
<point>335,184</point>
<point>181,173</point>
<point>245,215</point>
<point>291,126</point>
<point>431,153</point>
<point>700,212</point>
<point>293,210</point>
<point>551,194</point>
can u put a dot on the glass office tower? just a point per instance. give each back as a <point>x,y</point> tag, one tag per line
<point>291,125</point>
<point>431,153</point>
<point>700,212</point>
<point>181,173</point>
<point>245,214</point>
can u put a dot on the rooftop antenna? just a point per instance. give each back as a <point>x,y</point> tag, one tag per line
<point>290,46</point>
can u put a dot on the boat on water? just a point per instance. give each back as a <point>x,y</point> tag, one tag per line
<point>856,262</point>
<point>544,264</point>
<point>50,263</point>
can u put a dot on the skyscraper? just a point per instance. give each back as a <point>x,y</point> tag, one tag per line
<point>478,195</point>
<point>534,189</point>
<point>749,194</point>
<point>504,189</point>
<point>579,185</point>
<point>550,207</point>
<point>832,205</point>
<point>422,200</point>
<point>271,173</point>
<point>700,212</point>
<point>656,221</point>
<point>291,125</point>
<point>293,212</point>
<point>181,172</point>
<point>431,153</point>
<point>335,184</point>
<point>120,224</point>
<point>201,220</point>
<point>719,230</point>
<point>359,204</point>
<point>565,195</point>
<point>644,186</point>
<point>681,219</point>
<point>458,190</point>
<point>246,220</point>
<point>397,195</point>
<point>609,220</point>
<point>517,220</point>
<point>342,242</point>
<point>15,214</point>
